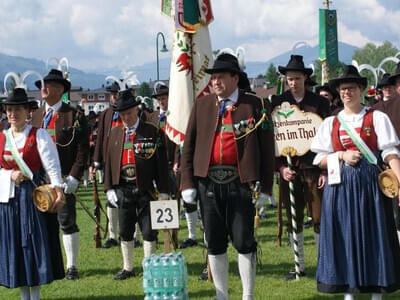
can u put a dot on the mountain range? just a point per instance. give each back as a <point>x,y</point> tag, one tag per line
<point>147,72</point>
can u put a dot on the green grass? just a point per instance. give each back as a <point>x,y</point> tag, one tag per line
<point>98,266</point>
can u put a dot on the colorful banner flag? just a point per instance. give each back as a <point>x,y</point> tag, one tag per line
<point>191,55</point>
<point>328,38</point>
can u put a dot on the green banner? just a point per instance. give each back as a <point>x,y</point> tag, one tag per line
<point>166,7</point>
<point>328,38</point>
<point>191,14</point>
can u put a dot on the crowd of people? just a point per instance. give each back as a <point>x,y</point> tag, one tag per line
<point>223,172</point>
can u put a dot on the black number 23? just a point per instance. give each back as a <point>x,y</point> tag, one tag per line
<point>164,215</point>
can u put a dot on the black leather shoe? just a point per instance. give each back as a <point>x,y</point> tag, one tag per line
<point>188,243</point>
<point>204,275</point>
<point>123,274</point>
<point>72,273</point>
<point>110,243</point>
<point>308,224</point>
<point>292,275</point>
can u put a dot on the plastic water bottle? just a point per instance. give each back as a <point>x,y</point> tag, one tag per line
<point>157,274</point>
<point>167,278</point>
<point>182,263</point>
<point>167,296</point>
<point>148,296</point>
<point>157,296</point>
<point>147,280</point>
<point>177,296</point>
<point>177,280</point>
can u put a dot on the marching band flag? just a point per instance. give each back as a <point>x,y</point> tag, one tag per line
<point>191,55</point>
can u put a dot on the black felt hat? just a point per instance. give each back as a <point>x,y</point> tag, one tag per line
<point>396,73</point>
<point>55,76</point>
<point>226,62</point>
<point>125,100</point>
<point>113,88</point>
<point>328,88</point>
<point>385,81</point>
<point>350,74</point>
<point>295,64</point>
<point>161,90</point>
<point>18,97</point>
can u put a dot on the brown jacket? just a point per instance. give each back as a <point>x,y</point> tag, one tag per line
<point>147,170</point>
<point>255,152</point>
<point>310,103</point>
<point>103,132</point>
<point>72,144</point>
<point>392,109</point>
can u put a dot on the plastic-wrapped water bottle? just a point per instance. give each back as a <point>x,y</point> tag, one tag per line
<point>147,280</point>
<point>182,262</point>
<point>157,296</point>
<point>167,278</point>
<point>167,296</point>
<point>157,274</point>
<point>176,271</point>
<point>177,296</point>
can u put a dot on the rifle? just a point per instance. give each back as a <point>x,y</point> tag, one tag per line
<point>96,213</point>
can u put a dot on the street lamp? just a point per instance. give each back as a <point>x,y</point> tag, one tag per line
<point>164,49</point>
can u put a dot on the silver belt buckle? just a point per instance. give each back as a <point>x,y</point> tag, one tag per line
<point>128,172</point>
<point>222,174</point>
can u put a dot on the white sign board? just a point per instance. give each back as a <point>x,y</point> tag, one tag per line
<point>293,129</point>
<point>164,214</point>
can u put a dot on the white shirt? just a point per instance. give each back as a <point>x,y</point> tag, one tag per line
<point>232,98</point>
<point>55,107</point>
<point>387,139</point>
<point>47,151</point>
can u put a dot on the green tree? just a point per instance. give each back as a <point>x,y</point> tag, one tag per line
<point>144,90</point>
<point>372,54</point>
<point>271,76</point>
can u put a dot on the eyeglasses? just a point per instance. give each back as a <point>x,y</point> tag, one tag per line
<point>350,89</point>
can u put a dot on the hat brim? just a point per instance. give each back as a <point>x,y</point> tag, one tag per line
<point>338,81</point>
<point>283,70</point>
<point>165,93</point>
<point>31,103</point>
<point>125,106</point>
<point>65,83</point>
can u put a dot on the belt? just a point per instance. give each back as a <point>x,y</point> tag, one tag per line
<point>128,173</point>
<point>222,174</point>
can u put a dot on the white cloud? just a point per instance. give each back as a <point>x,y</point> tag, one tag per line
<point>97,34</point>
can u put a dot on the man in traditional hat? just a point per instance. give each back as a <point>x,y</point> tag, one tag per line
<point>228,147</point>
<point>391,106</point>
<point>307,179</point>
<point>69,130</point>
<point>136,157</point>
<point>108,119</point>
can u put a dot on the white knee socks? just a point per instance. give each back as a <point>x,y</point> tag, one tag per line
<point>191,219</point>
<point>149,248</point>
<point>112,214</point>
<point>71,247</point>
<point>247,270</point>
<point>219,269</point>
<point>127,255</point>
<point>30,293</point>
<point>300,248</point>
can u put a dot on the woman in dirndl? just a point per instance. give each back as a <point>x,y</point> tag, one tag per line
<point>30,253</point>
<point>358,250</point>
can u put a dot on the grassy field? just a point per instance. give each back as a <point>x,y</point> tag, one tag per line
<point>98,266</point>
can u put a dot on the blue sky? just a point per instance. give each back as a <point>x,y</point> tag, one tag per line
<point>101,34</point>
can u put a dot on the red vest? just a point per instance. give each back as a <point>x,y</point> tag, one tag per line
<point>29,152</point>
<point>128,154</point>
<point>224,145</point>
<point>51,127</point>
<point>367,133</point>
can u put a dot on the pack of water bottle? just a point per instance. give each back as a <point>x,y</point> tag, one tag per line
<point>165,277</point>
